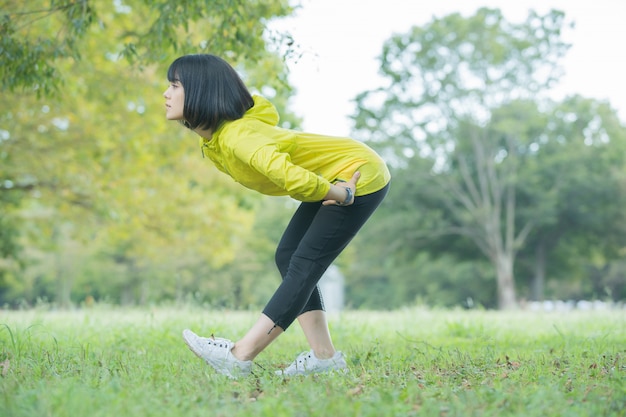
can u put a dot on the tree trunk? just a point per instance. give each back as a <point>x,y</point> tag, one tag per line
<point>144,291</point>
<point>538,283</point>
<point>130,286</point>
<point>506,283</point>
<point>64,289</point>
<point>64,280</point>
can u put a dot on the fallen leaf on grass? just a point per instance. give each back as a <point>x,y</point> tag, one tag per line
<point>512,364</point>
<point>4,367</point>
<point>255,395</point>
<point>356,390</point>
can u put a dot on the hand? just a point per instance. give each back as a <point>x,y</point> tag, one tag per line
<point>337,194</point>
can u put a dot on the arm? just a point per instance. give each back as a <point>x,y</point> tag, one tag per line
<point>338,194</point>
<point>277,167</point>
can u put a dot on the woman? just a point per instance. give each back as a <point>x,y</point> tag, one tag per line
<point>240,135</point>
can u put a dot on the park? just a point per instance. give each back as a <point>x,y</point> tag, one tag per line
<point>490,281</point>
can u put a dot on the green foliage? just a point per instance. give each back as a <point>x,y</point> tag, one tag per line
<point>40,35</point>
<point>101,198</point>
<point>402,363</point>
<point>455,69</point>
<point>10,248</point>
<point>578,164</point>
<point>483,163</point>
<point>111,200</point>
<point>28,48</point>
<point>421,280</point>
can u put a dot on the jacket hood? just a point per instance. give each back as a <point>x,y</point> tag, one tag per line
<point>263,111</point>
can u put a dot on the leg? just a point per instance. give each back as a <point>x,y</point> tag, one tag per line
<point>315,328</point>
<point>330,231</point>
<point>289,242</point>
<point>313,319</point>
<point>264,331</point>
<point>256,339</point>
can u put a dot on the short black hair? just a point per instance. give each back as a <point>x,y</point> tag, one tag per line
<point>214,92</point>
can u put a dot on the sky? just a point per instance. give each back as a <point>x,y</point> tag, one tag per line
<point>341,40</point>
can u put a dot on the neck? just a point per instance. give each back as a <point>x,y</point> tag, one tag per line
<point>205,133</point>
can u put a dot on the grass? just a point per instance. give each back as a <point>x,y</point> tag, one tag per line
<point>414,362</point>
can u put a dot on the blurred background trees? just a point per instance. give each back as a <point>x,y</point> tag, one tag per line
<point>101,196</point>
<point>486,166</point>
<point>499,194</point>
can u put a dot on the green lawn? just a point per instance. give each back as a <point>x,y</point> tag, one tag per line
<point>414,362</point>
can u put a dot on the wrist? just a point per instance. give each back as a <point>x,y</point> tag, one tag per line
<point>349,197</point>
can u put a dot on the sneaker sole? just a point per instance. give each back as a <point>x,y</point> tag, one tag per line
<point>341,371</point>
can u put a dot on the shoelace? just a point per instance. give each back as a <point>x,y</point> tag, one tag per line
<point>221,343</point>
<point>304,357</point>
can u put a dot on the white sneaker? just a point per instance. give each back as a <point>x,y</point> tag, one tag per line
<point>306,363</point>
<point>217,352</point>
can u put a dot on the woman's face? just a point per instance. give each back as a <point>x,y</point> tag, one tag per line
<point>174,101</point>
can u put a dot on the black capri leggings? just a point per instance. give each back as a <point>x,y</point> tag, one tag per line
<point>315,236</point>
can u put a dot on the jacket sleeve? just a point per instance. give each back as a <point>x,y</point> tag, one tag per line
<point>298,182</point>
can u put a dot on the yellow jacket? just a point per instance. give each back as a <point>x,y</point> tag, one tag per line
<point>257,153</point>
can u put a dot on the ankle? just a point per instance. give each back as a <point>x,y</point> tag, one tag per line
<point>241,354</point>
<point>322,354</point>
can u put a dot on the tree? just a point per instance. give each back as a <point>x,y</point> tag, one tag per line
<point>9,246</point>
<point>36,36</point>
<point>444,82</point>
<point>578,163</point>
<point>96,165</point>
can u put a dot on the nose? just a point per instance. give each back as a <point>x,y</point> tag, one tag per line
<point>165,93</point>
